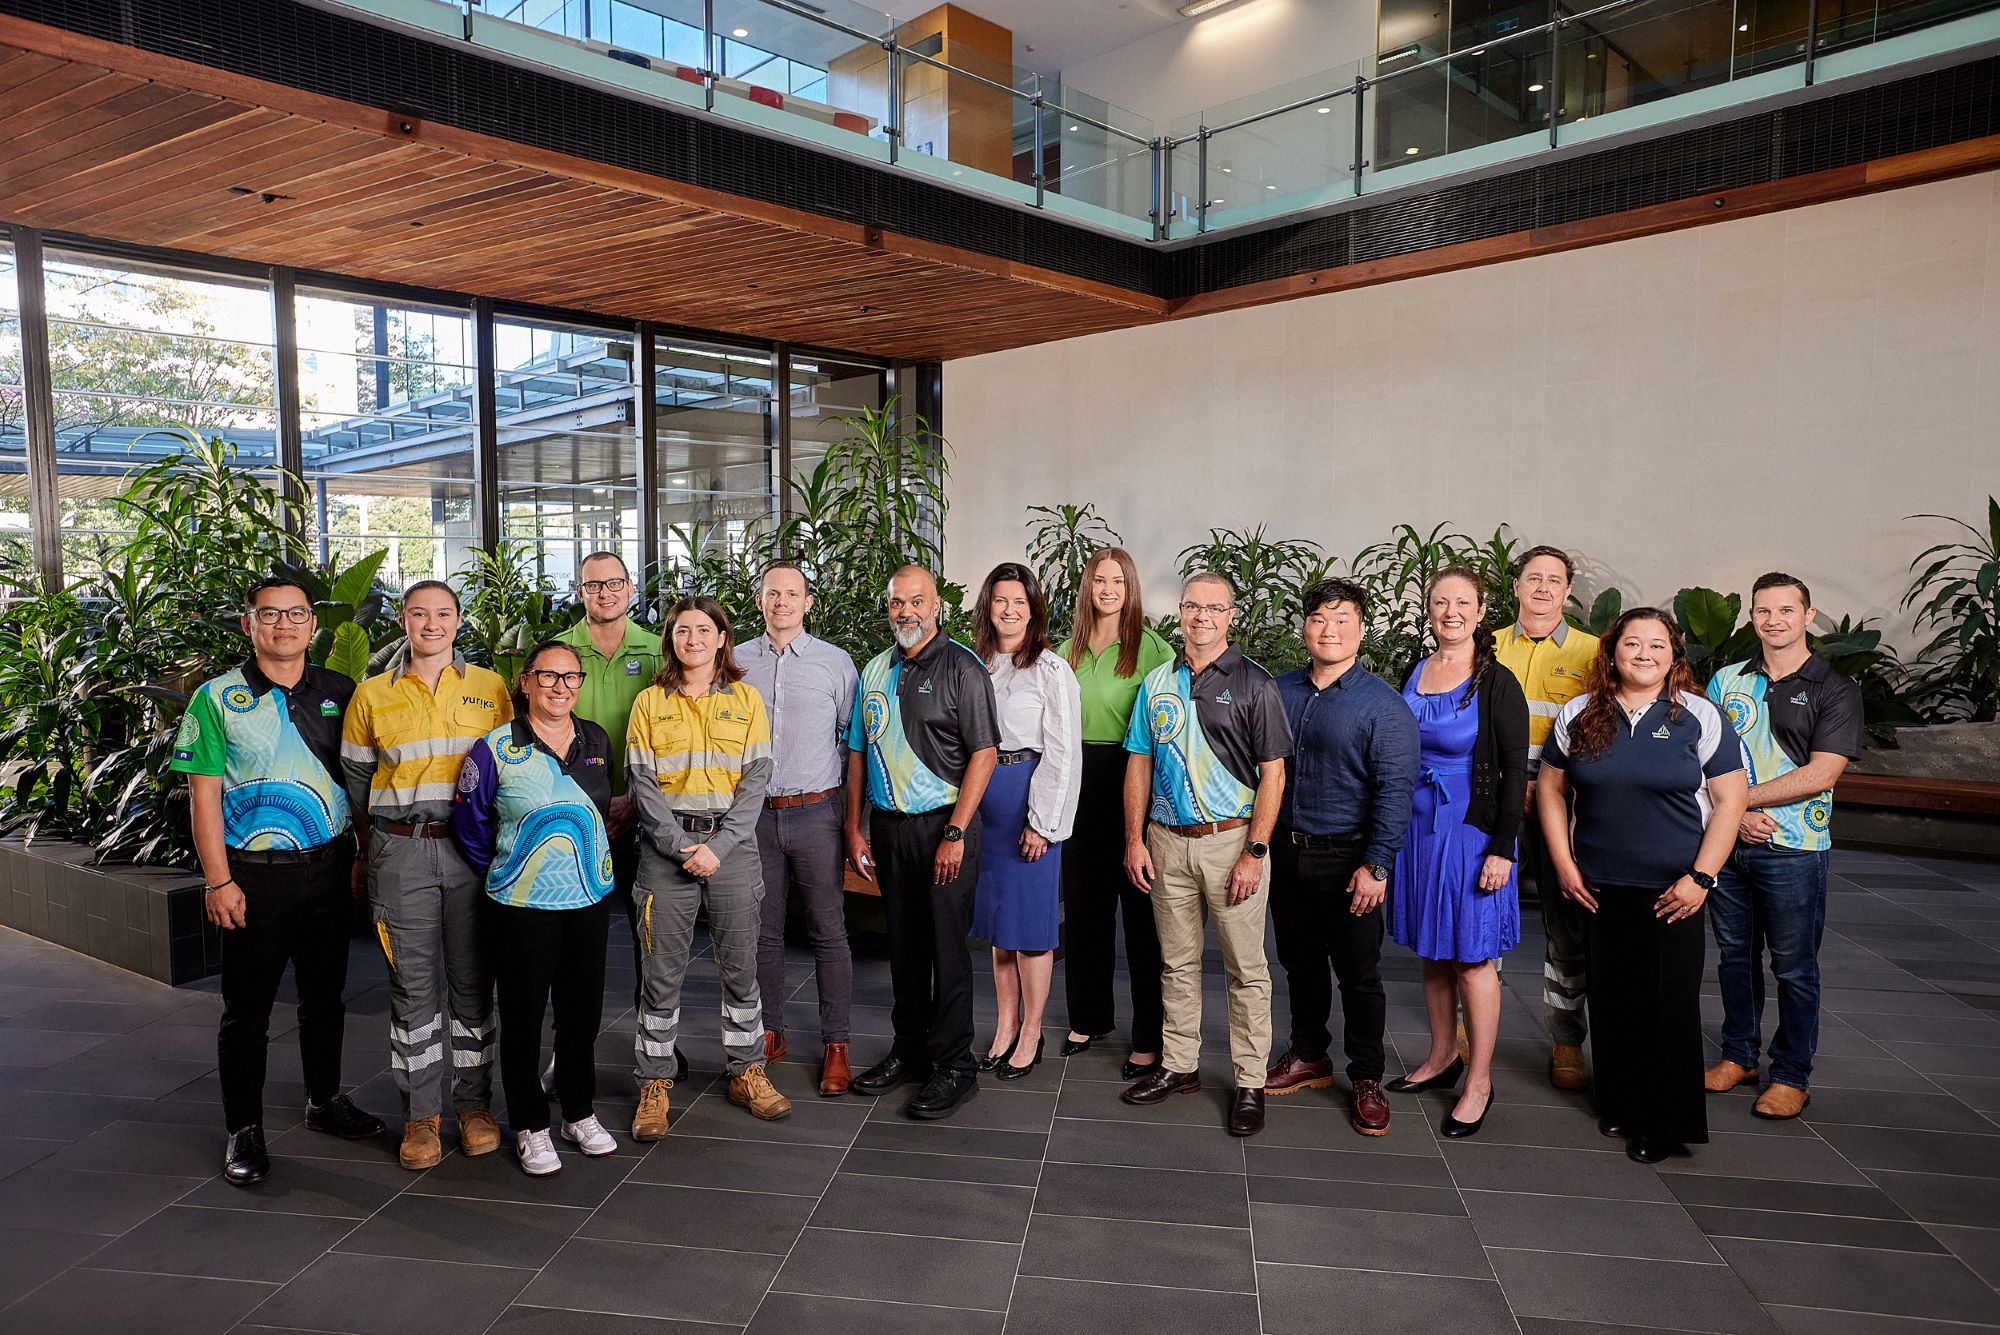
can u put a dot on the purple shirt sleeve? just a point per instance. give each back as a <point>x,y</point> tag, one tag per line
<point>473,814</point>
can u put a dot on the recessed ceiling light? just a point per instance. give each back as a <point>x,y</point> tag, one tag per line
<point>1074,128</point>
<point>1534,88</point>
<point>1326,111</point>
<point>1743,27</point>
<point>1213,202</point>
<point>1228,169</point>
<point>1196,8</point>
<point>1411,152</point>
<point>739,32</point>
<point>1270,187</point>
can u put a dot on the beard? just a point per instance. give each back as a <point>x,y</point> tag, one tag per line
<point>908,637</point>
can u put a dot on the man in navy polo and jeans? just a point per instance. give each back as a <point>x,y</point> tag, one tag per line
<point>1800,722</point>
<point>1345,813</point>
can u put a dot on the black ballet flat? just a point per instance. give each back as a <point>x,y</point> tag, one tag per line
<point>1444,1079</point>
<point>1071,1047</point>
<point>1009,1071</point>
<point>1132,1070</point>
<point>992,1060</point>
<point>1458,1130</point>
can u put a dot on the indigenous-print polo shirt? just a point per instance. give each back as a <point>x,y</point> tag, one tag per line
<point>1207,733</point>
<point>917,720</point>
<point>1782,722</point>
<point>277,752</point>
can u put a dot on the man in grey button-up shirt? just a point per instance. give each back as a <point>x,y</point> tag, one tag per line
<point>808,687</point>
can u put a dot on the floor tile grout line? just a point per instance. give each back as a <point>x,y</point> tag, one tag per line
<point>1027,1225</point>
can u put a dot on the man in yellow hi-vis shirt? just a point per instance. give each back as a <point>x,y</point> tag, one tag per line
<point>406,734</point>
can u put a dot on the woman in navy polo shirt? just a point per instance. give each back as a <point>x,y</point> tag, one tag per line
<point>1658,778</point>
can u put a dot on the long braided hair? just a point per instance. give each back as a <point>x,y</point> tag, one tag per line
<point>1483,656</point>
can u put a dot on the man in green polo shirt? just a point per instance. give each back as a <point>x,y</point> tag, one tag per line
<point>619,659</point>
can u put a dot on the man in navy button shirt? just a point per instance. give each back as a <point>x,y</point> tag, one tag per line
<point>1345,811</point>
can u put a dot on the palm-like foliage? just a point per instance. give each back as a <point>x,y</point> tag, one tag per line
<point>1060,539</point>
<point>1956,592</point>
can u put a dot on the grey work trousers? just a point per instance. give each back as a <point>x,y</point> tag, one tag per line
<point>426,907</point>
<point>665,901</point>
<point>802,846</point>
<point>1566,956</point>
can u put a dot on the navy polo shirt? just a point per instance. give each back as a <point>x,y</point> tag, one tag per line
<point>1354,760</point>
<point>1642,805</point>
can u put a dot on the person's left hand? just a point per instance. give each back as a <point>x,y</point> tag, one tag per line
<point>1245,877</point>
<point>950,857</point>
<point>622,818</point>
<point>1757,827</point>
<point>1682,899</point>
<point>699,861</point>
<point>1365,892</point>
<point>1032,845</point>
<point>1493,873</point>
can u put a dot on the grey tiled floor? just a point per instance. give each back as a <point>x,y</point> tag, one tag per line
<point>1044,1206</point>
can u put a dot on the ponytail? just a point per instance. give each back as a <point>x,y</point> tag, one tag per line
<point>1483,658</point>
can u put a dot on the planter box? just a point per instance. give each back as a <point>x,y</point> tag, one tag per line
<point>145,919</point>
<point>1937,792</point>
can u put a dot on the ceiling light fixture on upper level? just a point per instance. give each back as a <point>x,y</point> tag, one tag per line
<point>739,32</point>
<point>1196,8</point>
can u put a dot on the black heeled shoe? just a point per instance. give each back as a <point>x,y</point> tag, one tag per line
<point>1009,1071</point>
<point>1132,1070</point>
<point>1458,1130</point>
<point>1444,1079</point>
<point>992,1060</point>
<point>1071,1047</point>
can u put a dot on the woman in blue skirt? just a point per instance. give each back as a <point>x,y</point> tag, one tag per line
<point>1028,809</point>
<point>1453,897</point>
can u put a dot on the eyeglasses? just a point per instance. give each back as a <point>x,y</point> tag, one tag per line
<point>1213,609</point>
<point>592,587</point>
<point>271,616</point>
<point>546,678</point>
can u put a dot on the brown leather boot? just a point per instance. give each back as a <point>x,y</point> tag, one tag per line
<point>1566,1068</point>
<point>834,1077</point>
<point>753,1090</point>
<point>477,1132</point>
<point>1726,1075</point>
<point>649,1122</point>
<point>1293,1073</point>
<point>421,1146</point>
<point>774,1046</point>
<point>1780,1103</point>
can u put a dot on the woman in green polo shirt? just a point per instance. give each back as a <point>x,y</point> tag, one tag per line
<point>1111,652</point>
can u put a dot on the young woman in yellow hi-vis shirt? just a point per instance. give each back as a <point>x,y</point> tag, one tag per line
<point>698,759</point>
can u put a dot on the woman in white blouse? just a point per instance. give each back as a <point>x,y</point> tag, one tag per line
<point>1028,809</point>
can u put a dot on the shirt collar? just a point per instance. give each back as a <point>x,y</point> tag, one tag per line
<point>1560,634</point>
<point>797,647</point>
<point>400,663</point>
<point>1225,662</point>
<point>524,734</point>
<point>929,653</point>
<point>1814,668</point>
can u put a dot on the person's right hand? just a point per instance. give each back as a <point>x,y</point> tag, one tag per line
<point>357,878</point>
<point>1574,888</point>
<point>225,906</point>
<point>859,855</point>
<point>1756,828</point>
<point>1139,867</point>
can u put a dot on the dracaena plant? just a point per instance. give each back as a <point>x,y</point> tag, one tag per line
<point>1955,589</point>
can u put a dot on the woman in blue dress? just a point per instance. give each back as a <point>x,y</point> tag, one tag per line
<point>1453,896</point>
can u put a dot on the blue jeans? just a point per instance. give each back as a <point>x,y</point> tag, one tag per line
<point>1771,898</point>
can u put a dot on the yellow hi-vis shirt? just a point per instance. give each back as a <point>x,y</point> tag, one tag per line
<point>700,756</point>
<point>1552,671</point>
<point>402,744</point>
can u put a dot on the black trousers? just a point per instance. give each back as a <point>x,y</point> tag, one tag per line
<point>541,955</point>
<point>297,913</point>
<point>1309,902</point>
<point>1645,1016</point>
<point>624,875</point>
<point>930,964</point>
<point>1094,888</point>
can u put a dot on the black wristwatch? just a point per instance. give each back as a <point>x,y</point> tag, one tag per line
<point>1257,849</point>
<point>1378,871</point>
<point>1701,878</point>
<point>952,834</point>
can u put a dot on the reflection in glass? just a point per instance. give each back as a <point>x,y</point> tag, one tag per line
<point>718,446</point>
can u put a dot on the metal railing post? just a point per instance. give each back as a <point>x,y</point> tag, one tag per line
<point>1201,179</point>
<point>893,131</point>
<point>1154,153</point>
<point>1167,190</point>
<point>1041,150</point>
<point>1556,91</point>
<point>708,54</point>
<point>1812,38</point>
<point>1360,131</point>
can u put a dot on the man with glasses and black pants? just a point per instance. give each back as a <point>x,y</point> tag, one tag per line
<point>260,745</point>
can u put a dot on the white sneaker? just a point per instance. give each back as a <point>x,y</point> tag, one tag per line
<point>537,1153</point>
<point>589,1136</point>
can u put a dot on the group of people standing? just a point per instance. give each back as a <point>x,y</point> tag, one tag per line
<point>1021,793</point>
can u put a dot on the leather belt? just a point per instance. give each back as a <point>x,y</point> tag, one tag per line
<point>793,800</point>
<point>698,824</point>
<point>1213,827</point>
<point>416,829</point>
<point>1017,757</point>
<point>1300,839</point>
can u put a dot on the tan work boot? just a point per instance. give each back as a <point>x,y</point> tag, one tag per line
<point>421,1146</point>
<point>650,1121</point>
<point>477,1132</point>
<point>1464,1043</point>
<point>1726,1075</point>
<point>1566,1068</point>
<point>1779,1103</point>
<point>753,1090</point>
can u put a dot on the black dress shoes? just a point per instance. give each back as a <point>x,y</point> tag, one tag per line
<point>942,1094</point>
<point>1159,1083</point>
<point>339,1117</point>
<point>1444,1079</point>
<point>1132,1070</point>
<point>1246,1112</point>
<point>1008,1071</point>
<point>1609,1129</point>
<point>888,1073</point>
<point>247,1161</point>
<point>1458,1130</point>
<point>993,1059</point>
<point>1643,1148</point>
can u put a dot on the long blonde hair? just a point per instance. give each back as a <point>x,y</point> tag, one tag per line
<point>1131,618</point>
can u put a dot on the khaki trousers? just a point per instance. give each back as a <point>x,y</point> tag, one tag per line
<point>1191,886</point>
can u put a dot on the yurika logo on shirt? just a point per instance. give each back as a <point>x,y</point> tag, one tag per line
<point>1799,699</point>
<point>1224,698</point>
<point>1663,733</point>
<point>925,689</point>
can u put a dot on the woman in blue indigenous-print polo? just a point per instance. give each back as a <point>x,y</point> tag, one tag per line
<point>532,798</point>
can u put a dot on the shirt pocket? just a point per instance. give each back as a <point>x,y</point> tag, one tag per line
<point>469,719</point>
<point>728,736</point>
<point>395,724</point>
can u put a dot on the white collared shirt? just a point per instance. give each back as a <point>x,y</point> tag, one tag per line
<point>1041,709</point>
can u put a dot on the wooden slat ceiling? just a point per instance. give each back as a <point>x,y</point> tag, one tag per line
<point>113,142</point>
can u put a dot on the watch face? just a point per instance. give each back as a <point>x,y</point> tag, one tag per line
<point>953,834</point>
<point>1378,871</point>
<point>1258,850</point>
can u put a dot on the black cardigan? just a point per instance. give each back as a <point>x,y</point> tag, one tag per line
<point>1499,759</point>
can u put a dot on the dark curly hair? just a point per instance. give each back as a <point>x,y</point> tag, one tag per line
<point>1591,731</point>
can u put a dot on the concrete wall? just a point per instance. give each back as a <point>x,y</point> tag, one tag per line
<point>1693,408</point>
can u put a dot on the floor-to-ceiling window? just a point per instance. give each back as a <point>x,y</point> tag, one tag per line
<point>718,444</point>
<point>823,391</point>
<point>14,530</point>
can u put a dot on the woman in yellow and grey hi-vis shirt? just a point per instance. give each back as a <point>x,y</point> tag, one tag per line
<point>698,759</point>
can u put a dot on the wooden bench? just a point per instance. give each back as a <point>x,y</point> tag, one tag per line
<point>1962,797</point>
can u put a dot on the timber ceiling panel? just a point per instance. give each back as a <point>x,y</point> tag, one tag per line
<point>112,142</point>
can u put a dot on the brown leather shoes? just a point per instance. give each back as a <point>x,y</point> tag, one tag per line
<point>774,1045</point>
<point>1158,1084</point>
<point>1294,1073</point>
<point>752,1089</point>
<point>1371,1108</point>
<point>421,1147</point>
<point>477,1133</point>
<point>1246,1112</point>
<point>1566,1068</point>
<point>649,1120</point>
<point>834,1077</point>
<point>1780,1103</point>
<point>1726,1075</point>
